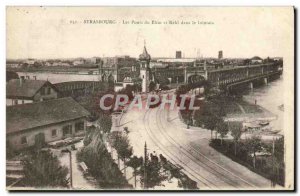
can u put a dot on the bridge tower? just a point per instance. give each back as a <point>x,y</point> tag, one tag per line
<point>145,74</point>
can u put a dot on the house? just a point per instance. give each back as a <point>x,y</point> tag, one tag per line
<point>21,91</point>
<point>256,60</point>
<point>53,119</point>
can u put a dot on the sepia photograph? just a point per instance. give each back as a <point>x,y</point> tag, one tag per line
<point>150,98</point>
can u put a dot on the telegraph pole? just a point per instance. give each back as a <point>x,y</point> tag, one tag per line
<point>71,176</point>
<point>273,173</point>
<point>145,166</point>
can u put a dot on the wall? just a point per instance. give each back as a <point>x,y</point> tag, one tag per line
<point>145,80</point>
<point>15,140</point>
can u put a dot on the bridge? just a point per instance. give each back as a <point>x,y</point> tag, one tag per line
<point>227,77</point>
<point>230,77</point>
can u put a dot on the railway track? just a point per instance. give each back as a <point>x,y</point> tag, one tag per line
<point>202,160</point>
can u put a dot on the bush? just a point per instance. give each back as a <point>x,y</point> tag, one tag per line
<point>101,166</point>
<point>42,169</point>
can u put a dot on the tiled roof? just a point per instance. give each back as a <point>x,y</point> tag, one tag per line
<point>25,88</point>
<point>28,116</point>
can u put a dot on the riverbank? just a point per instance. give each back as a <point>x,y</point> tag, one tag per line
<point>254,118</point>
<point>244,111</point>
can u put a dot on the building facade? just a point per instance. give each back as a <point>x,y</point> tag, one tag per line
<point>178,55</point>
<point>22,91</point>
<point>54,120</point>
<point>145,72</point>
<point>220,55</point>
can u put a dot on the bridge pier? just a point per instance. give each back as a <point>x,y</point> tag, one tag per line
<point>251,85</point>
<point>185,75</point>
<point>265,81</point>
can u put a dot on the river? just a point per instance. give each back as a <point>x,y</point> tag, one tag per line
<point>57,78</point>
<point>269,97</point>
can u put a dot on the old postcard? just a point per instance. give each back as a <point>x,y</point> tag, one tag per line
<point>150,98</point>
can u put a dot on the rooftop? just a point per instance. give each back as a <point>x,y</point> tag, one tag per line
<point>24,88</point>
<point>256,58</point>
<point>28,116</point>
<point>145,55</point>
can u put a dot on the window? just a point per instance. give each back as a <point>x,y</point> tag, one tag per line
<point>79,126</point>
<point>48,90</point>
<point>42,91</point>
<point>54,133</point>
<point>23,140</point>
<point>67,130</point>
<point>16,102</point>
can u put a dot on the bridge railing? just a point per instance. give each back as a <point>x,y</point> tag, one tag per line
<point>226,76</point>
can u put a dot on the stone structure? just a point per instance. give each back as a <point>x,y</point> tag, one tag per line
<point>145,72</point>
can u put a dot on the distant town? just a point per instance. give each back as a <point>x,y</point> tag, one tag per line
<point>127,61</point>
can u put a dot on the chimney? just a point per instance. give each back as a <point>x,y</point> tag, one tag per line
<point>22,79</point>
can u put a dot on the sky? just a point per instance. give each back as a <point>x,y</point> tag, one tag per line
<point>50,32</point>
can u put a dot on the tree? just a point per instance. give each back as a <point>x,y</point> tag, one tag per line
<point>105,123</point>
<point>137,84</point>
<point>127,91</point>
<point>277,151</point>
<point>135,163</point>
<point>210,123</point>
<point>222,129</point>
<point>123,148</point>
<point>254,145</point>
<point>100,163</point>
<point>152,86</point>
<point>236,132</point>
<point>42,169</point>
<point>89,134</point>
<point>207,117</point>
<point>153,172</point>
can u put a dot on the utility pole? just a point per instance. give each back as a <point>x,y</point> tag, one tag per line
<point>273,173</point>
<point>145,166</point>
<point>71,176</point>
